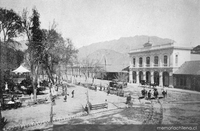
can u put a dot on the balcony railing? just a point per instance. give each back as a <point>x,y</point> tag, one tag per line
<point>165,64</point>
<point>156,65</point>
<point>147,65</point>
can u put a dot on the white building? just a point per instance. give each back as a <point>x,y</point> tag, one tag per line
<point>156,64</point>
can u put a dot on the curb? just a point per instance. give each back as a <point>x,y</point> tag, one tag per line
<point>13,128</point>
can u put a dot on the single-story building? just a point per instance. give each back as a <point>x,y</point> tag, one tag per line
<point>188,76</point>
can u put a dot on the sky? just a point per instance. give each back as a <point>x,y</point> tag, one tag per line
<point>90,21</point>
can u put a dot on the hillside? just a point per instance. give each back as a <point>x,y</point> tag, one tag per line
<point>113,61</point>
<point>122,45</point>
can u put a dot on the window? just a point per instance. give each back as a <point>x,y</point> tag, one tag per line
<point>165,60</point>
<point>148,61</point>
<point>156,61</point>
<point>140,61</point>
<point>176,60</point>
<point>133,62</point>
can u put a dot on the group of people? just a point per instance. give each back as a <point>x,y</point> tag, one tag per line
<point>66,94</point>
<point>152,93</point>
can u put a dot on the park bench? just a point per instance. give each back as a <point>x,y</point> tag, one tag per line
<point>99,106</point>
<point>7,105</point>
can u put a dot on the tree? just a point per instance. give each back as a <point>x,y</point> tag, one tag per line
<point>86,66</point>
<point>10,27</point>
<point>122,77</point>
<point>93,68</point>
<point>57,52</point>
<point>31,27</point>
<point>97,69</point>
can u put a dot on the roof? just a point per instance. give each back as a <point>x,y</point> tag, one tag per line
<point>196,50</point>
<point>126,68</point>
<point>189,68</point>
<point>21,69</point>
<point>114,68</point>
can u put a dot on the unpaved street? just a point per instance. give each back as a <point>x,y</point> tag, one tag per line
<point>177,108</point>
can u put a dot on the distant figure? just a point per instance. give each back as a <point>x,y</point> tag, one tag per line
<point>164,92</point>
<point>73,94</point>
<point>155,93</point>
<point>12,98</point>
<point>32,97</point>
<point>6,88</point>
<point>65,94</point>
<point>108,91</point>
<point>128,100</point>
<point>149,94</point>
<point>144,92</point>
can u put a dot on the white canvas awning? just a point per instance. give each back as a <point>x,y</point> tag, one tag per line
<point>21,69</point>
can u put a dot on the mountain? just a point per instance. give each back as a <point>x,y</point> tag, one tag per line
<point>116,51</point>
<point>113,61</point>
<point>122,45</point>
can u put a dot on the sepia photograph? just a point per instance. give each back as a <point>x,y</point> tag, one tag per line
<point>99,65</point>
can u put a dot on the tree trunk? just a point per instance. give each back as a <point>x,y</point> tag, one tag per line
<point>1,97</point>
<point>1,93</point>
<point>50,75</point>
<point>51,110</point>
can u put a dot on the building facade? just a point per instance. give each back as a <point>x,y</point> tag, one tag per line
<point>156,64</point>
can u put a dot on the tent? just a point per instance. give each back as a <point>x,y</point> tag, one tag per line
<point>21,69</point>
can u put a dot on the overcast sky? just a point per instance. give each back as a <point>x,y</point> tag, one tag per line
<point>90,21</point>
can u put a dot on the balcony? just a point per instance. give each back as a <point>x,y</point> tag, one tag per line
<point>165,64</point>
<point>147,65</point>
<point>140,65</point>
<point>156,65</point>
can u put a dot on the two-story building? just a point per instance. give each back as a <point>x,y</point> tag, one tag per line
<point>156,64</point>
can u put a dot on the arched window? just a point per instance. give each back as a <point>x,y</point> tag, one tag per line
<point>165,60</point>
<point>140,61</point>
<point>133,62</point>
<point>156,61</point>
<point>148,61</point>
<point>176,60</point>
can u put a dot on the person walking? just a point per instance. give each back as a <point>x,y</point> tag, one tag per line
<point>164,92</point>
<point>128,100</point>
<point>65,94</point>
<point>155,93</point>
<point>149,94</point>
<point>108,92</point>
<point>73,94</point>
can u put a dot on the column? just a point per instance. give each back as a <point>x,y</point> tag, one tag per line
<point>131,62</point>
<point>160,60</point>
<point>152,77</point>
<point>168,60</point>
<point>137,77</point>
<point>144,61</point>
<point>171,80</point>
<point>161,78</point>
<point>130,76</point>
<point>136,61</point>
<point>144,75</point>
<point>151,61</point>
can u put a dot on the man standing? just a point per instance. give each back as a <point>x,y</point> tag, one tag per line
<point>73,94</point>
<point>65,94</point>
<point>6,88</point>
